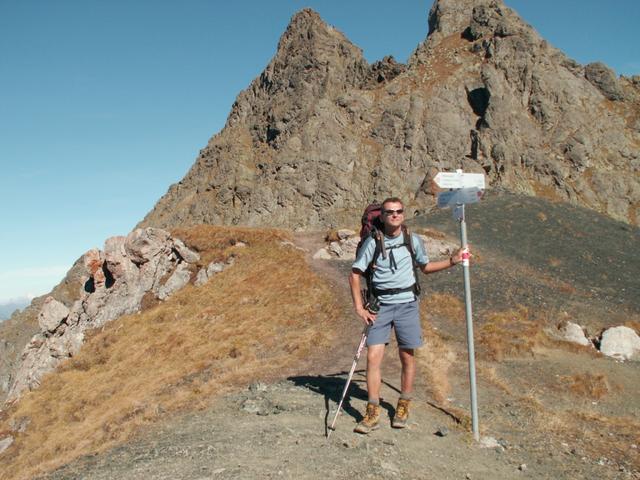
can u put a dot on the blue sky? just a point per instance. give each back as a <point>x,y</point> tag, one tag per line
<point>104,104</point>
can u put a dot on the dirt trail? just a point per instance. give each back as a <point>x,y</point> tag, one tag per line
<point>277,430</point>
<point>285,439</point>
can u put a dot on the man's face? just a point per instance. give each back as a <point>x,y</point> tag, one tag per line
<point>392,214</point>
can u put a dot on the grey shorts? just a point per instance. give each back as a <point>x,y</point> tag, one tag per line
<point>405,319</point>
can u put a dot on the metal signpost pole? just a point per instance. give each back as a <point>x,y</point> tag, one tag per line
<point>462,188</point>
<point>467,302</point>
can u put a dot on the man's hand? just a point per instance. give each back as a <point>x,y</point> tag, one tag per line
<point>460,254</point>
<point>367,317</point>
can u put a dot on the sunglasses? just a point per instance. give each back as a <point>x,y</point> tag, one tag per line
<point>400,211</point>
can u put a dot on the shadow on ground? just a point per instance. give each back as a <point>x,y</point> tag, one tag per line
<point>331,387</point>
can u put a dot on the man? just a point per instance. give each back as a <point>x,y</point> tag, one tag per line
<point>393,280</point>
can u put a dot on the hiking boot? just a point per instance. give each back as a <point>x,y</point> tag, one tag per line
<point>402,414</point>
<point>370,420</point>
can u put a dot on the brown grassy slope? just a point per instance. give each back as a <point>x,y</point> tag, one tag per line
<point>259,318</point>
<point>542,263</point>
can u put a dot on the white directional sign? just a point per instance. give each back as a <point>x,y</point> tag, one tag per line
<point>459,196</point>
<point>459,180</point>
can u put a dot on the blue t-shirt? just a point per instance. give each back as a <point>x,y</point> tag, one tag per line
<point>387,274</point>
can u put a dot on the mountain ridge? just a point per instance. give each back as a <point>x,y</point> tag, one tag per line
<point>321,132</point>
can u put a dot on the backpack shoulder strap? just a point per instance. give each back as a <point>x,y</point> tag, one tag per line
<point>380,248</point>
<point>408,242</point>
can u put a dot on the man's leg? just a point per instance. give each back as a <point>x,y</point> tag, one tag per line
<point>374,379</point>
<point>409,335</point>
<point>408,361</point>
<point>378,338</point>
<point>375,353</point>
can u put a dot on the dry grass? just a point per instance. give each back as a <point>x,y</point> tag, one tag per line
<point>595,435</point>
<point>587,385</point>
<point>554,262</point>
<point>546,191</point>
<point>443,306</point>
<point>431,233</point>
<point>332,236</point>
<point>634,325</point>
<point>179,354</point>
<point>436,359</point>
<point>488,373</point>
<point>511,333</point>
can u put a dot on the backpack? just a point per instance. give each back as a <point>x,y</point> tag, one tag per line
<point>372,226</point>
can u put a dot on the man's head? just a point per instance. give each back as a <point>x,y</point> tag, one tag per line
<point>392,213</point>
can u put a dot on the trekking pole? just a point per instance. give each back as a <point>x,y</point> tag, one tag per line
<point>363,340</point>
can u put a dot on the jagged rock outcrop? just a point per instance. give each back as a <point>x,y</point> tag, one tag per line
<point>16,332</point>
<point>321,132</point>
<point>148,262</point>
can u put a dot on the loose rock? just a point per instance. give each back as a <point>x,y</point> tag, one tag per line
<point>5,443</point>
<point>622,343</point>
<point>53,313</point>
<point>572,332</point>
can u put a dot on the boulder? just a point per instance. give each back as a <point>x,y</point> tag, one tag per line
<point>178,279</point>
<point>144,243</point>
<point>93,261</point>
<point>345,233</point>
<point>622,343</point>
<point>335,248</point>
<point>572,332</point>
<point>185,253</point>
<point>201,277</point>
<point>604,79</point>
<point>53,313</point>
<point>349,246</point>
<point>214,267</point>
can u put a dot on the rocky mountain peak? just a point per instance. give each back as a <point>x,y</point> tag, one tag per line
<point>452,16</point>
<point>475,19</point>
<point>320,133</point>
<point>311,50</point>
<point>313,59</point>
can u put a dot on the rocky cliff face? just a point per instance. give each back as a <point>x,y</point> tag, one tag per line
<point>321,132</point>
<point>146,266</point>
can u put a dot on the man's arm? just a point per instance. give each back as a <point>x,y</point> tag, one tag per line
<point>355,283</point>
<point>454,259</point>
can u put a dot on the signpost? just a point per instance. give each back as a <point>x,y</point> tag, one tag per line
<point>458,179</point>
<point>459,196</point>
<point>464,188</point>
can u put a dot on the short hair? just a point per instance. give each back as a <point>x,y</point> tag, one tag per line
<point>392,199</point>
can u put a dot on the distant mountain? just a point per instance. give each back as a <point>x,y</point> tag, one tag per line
<point>321,132</point>
<point>10,306</point>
